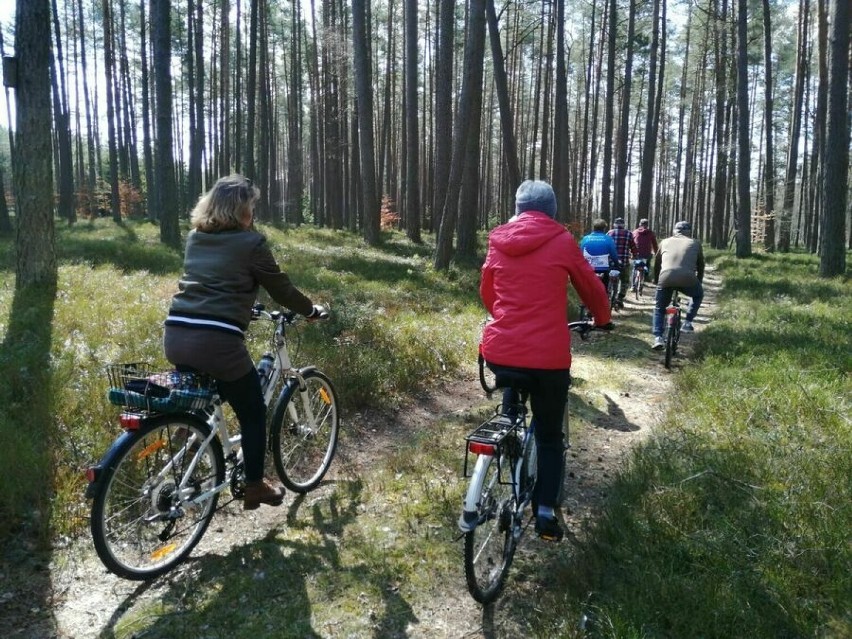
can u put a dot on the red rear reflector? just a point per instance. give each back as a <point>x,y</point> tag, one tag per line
<point>130,421</point>
<point>478,448</point>
<point>91,474</point>
<point>671,311</point>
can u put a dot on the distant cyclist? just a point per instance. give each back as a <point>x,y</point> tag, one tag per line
<point>679,265</point>
<point>645,241</point>
<point>530,262</point>
<point>625,247</point>
<point>599,250</point>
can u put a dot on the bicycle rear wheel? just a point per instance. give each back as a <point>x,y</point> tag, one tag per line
<point>671,343</point>
<point>613,293</point>
<point>141,523</point>
<point>638,282</point>
<point>490,546</point>
<point>305,429</point>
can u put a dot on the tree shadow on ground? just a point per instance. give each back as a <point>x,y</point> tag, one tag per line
<point>26,430</point>
<point>266,587</point>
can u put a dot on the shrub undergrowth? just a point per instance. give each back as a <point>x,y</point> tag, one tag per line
<point>733,521</point>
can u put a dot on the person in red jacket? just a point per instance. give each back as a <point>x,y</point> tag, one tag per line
<point>530,262</point>
<point>646,246</point>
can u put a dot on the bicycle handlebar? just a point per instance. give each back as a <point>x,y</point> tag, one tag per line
<point>258,312</point>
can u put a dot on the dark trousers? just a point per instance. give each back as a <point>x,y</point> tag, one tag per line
<point>246,398</point>
<point>547,401</point>
<point>664,297</point>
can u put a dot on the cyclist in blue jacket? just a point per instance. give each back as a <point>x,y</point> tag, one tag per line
<point>599,250</point>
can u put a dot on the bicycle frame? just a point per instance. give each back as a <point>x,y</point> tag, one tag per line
<point>215,418</point>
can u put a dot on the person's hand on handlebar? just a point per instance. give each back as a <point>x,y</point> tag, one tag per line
<point>318,312</point>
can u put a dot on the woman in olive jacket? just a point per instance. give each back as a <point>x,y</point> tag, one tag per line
<point>225,263</point>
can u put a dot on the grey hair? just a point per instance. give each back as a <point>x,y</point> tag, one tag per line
<point>224,205</point>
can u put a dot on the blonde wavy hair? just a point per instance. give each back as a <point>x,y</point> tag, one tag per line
<point>224,206</point>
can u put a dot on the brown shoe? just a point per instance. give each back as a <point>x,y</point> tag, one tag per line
<point>262,492</point>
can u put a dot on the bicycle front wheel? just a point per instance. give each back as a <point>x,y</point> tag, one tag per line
<point>143,519</point>
<point>304,433</point>
<point>490,546</point>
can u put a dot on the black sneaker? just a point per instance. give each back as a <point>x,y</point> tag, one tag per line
<point>548,528</point>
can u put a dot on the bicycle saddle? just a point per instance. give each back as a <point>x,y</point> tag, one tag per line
<point>514,379</point>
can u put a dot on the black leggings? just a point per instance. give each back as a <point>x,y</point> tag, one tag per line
<point>547,402</point>
<point>246,398</point>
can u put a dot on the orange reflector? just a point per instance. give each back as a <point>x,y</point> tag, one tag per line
<point>150,449</point>
<point>130,421</point>
<point>324,395</point>
<point>478,448</point>
<point>162,552</point>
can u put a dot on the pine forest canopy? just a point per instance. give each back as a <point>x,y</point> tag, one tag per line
<point>426,115</point>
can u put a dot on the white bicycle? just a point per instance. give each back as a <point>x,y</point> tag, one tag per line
<point>156,489</point>
<point>494,512</point>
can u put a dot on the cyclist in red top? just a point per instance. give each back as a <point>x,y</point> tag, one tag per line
<point>646,245</point>
<point>530,262</point>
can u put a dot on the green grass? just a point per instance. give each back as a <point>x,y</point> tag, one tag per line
<point>733,521</point>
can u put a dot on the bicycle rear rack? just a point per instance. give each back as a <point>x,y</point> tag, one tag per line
<point>496,436</point>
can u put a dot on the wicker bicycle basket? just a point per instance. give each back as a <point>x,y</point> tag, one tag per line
<point>136,385</point>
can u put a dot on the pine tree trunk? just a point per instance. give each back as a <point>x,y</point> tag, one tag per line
<point>443,108</point>
<point>166,189</point>
<point>62,124</point>
<point>412,152</point>
<point>743,137</point>
<point>609,113</point>
<point>835,186</point>
<point>621,160</point>
<point>474,51</point>
<point>364,91</point>
<point>510,147</point>
<point>769,170</point>
<point>109,70</point>
<point>646,182</point>
<point>786,216</point>
<point>35,245</point>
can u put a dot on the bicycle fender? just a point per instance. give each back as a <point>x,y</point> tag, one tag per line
<point>287,390</point>
<point>469,516</point>
<point>107,461</point>
<point>291,385</point>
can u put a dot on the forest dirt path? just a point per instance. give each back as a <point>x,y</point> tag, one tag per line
<point>69,595</point>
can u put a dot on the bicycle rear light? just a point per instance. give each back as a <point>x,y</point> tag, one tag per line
<point>130,421</point>
<point>92,473</point>
<point>480,448</point>
<point>671,310</point>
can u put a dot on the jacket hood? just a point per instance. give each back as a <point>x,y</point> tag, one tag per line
<point>641,230</point>
<point>525,233</point>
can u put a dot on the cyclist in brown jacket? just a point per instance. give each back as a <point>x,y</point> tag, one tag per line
<point>679,264</point>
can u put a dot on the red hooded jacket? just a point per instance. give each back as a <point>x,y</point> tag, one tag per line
<point>530,262</point>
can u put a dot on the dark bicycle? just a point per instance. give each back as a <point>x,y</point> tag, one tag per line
<point>672,329</point>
